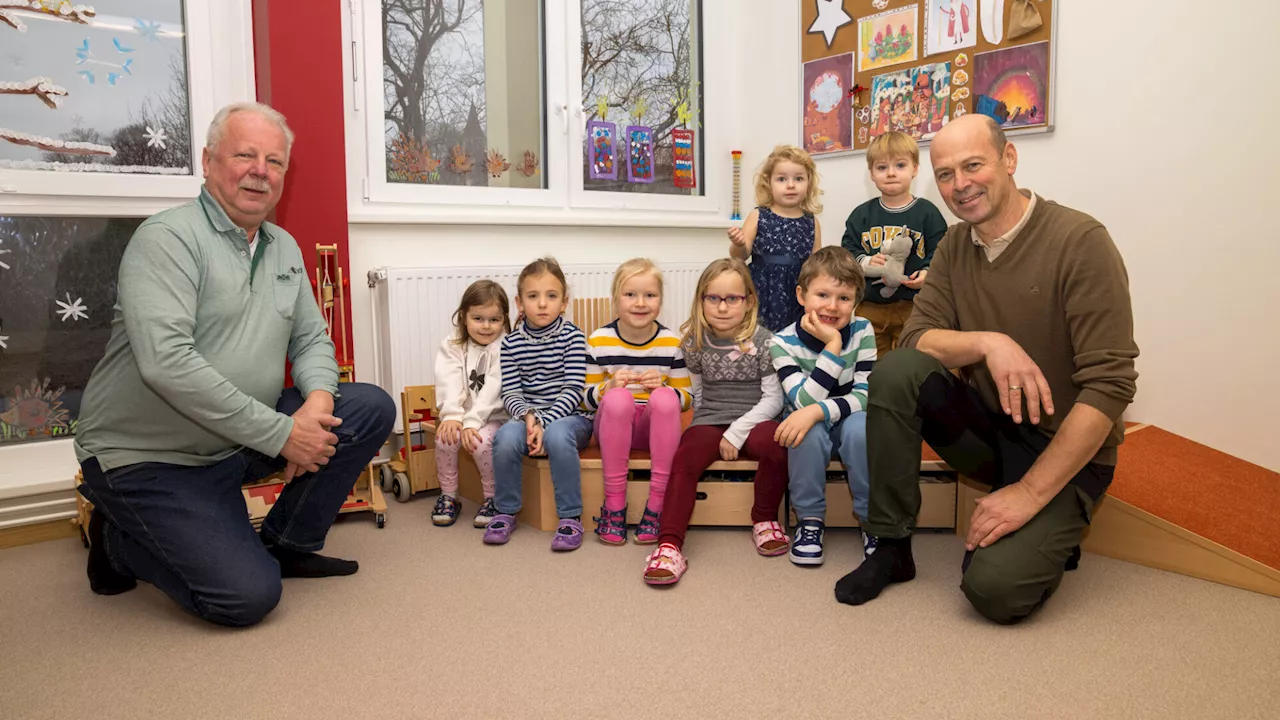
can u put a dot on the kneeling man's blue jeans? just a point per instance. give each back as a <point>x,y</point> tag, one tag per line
<point>186,530</point>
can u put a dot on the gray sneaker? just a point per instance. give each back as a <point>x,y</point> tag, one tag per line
<point>485,514</point>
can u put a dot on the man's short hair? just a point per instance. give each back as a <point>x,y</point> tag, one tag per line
<point>890,145</point>
<point>837,263</point>
<point>998,138</point>
<point>219,124</point>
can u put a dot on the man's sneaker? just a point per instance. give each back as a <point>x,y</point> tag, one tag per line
<point>500,529</point>
<point>446,511</point>
<point>869,544</point>
<point>806,548</point>
<point>486,513</point>
<point>568,536</point>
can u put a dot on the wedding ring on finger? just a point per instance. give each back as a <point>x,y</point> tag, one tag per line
<point>1015,388</point>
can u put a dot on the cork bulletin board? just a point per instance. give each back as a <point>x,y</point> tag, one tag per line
<point>871,66</point>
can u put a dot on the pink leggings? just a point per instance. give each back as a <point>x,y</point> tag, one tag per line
<point>447,461</point>
<point>623,425</point>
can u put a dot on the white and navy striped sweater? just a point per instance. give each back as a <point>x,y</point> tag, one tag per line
<point>544,370</point>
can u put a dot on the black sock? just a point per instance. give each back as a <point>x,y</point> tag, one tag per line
<point>103,578</point>
<point>310,565</point>
<point>890,563</point>
<point>1073,560</point>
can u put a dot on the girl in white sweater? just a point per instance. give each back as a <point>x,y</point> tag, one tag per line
<point>468,390</point>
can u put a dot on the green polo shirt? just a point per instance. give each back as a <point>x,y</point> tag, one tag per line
<point>195,363</point>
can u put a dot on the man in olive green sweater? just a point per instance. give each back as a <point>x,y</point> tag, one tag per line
<point>1030,300</point>
<point>189,401</point>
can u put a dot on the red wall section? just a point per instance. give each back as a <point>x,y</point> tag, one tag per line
<point>298,61</point>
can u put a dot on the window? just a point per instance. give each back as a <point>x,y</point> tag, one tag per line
<point>94,93</point>
<point>537,111</point>
<point>641,91</point>
<point>57,290</point>
<point>462,93</point>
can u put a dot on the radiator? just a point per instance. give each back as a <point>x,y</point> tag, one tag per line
<point>413,310</point>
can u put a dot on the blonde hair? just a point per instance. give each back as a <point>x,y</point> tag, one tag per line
<point>695,327</point>
<point>789,153</point>
<point>479,294</point>
<point>630,269</point>
<point>836,263</point>
<point>890,145</point>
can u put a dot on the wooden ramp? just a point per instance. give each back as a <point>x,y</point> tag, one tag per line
<point>1181,506</point>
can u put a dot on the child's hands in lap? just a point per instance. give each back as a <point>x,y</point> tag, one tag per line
<point>533,435</point>
<point>791,431</point>
<point>649,379</point>
<point>449,432</point>
<point>470,439</point>
<point>728,452</point>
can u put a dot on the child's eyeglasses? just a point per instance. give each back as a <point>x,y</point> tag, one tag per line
<point>730,300</point>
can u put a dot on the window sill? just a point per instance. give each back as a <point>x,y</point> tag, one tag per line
<point>444,215</point>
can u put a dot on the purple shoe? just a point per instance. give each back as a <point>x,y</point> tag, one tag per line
<point>500,529</point>
<point>568,536</point>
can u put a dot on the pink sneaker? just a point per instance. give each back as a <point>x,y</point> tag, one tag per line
<point>666,566</point>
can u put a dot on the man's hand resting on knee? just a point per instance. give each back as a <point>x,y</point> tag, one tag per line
<point>310,443</point>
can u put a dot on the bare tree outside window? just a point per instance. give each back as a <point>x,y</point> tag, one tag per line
<point>641,65</point>
<point>463,92</point>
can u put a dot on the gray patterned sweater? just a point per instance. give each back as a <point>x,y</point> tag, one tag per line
<point>731,387</point>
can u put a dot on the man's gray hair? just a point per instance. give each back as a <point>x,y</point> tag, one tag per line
<point>219,124</point>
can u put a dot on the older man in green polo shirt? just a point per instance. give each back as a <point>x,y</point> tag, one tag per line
<point>189,401</point>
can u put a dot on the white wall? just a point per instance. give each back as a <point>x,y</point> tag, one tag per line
<point>1145,142</point>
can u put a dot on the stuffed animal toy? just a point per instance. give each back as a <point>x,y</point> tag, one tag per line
<point>892,271</point>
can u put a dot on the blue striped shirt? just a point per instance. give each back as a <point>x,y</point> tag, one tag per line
<point>812,376</point>
<point>544,370</point>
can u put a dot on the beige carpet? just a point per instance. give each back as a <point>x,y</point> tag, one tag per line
<point>436,625</point>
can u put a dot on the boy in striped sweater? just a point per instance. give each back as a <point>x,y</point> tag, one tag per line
<point>823,361</point>
<point>544,367</point>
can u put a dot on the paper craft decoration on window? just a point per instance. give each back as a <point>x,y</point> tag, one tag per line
<point>685,176</point>
<point>94,88</point>
<point>950,25</point>
<point>1010,85</point>
<point>914,101</point>
<point>601,150</point>
<point>57,288</point>
<point>828,115</point>
<point>639,154</point>
<point>888,38</point>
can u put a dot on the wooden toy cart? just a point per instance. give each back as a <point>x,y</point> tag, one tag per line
<point>414,469</point>
<point>260,496</point>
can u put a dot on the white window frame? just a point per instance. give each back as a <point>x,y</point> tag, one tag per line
<point>220,71</point>
<point>565,201</point>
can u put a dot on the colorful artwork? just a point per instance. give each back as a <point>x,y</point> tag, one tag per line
<point>601,150</point>
<point>950,25</point>
<point>827,125</point>
<point>496,163</point>
<point>94,88</point>
<point>888,38</point>
<point>57,287</point>
<point>639,154</point>
<point>1011,85</point>
<point>685,175</point>
<point>915,101</point>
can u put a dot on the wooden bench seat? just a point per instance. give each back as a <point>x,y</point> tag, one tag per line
<point>719,503</point>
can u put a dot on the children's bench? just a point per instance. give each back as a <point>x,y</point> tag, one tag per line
<point>719,503</point>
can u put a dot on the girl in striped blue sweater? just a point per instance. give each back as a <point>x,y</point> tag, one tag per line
<point>544,368</point>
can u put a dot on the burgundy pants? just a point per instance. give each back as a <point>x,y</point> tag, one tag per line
<point>699,447</point>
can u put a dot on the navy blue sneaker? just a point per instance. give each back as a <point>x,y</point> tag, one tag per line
<point>446,511</point>
<point>806,547</point>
